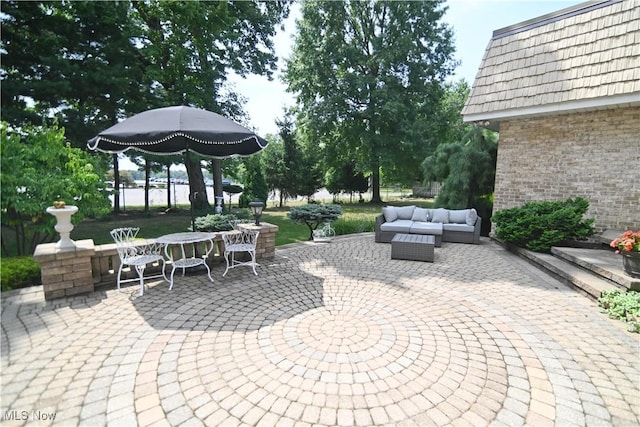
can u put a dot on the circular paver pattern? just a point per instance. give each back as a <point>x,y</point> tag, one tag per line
<point>330,334</point>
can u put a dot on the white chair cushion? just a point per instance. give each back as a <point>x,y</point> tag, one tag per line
<point>420,214</point>
<point>399,226</point>
<point>440,215</point>
<point>405,212</point>
<point>458,216</point>
<point>390,213</point>
<point>472,217</point>
<point>431,228</point>
<point>458,227</point>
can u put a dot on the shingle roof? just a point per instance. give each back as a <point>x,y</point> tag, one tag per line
<point>586,56</point>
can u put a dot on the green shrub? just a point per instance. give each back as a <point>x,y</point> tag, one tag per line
<point>353,225</point>
<point>540,225</point>
<point>19,272</point>
<point>622,305</point>
<point>215,222</point>
<point>314,215</point>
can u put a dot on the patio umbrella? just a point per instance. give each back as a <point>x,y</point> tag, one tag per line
<point>179,129</point>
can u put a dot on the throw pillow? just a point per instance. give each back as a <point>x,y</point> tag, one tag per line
<point>441,215</point>
<point>458,216</point>
<point>405,212</point>
<point>390,213</point>
<point>420,214</point>
<point>472,217</point>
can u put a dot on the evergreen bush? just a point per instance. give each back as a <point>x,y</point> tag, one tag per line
<point>19,272</point>
<point>540,225</point>
<point>314,215</point>
<point>215,222</point>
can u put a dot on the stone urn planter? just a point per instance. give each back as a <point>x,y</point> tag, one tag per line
<point>628,245</point>
<point>631,263</point>
<point>63,225</point>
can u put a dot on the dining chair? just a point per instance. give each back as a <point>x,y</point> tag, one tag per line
<point>137,254</point>
<point>240,241</point>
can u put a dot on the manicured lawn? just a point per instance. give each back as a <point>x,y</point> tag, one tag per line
<point>356,217</point>
<point>152,225</point>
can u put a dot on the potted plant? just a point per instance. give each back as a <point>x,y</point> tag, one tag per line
<point>628,245</point>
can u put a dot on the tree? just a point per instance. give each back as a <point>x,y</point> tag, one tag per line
<point>310,181</point>
<point>275,170</point>
<point>449,118</point>
<point>346,179</point>
<point>255,186</point>
<point>144,55</point>
<point>314,215</point>
<point>466,168</point>
<point>39,167</point>
<point>293,158</point>
<point>56,65</point>
<point>368,76</point>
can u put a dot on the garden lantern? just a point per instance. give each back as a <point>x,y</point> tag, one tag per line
<point>256,209</point>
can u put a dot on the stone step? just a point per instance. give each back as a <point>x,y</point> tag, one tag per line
<point>603,262</point>
<point>588,283</point>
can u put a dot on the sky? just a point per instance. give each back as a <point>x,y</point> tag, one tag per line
<point>473,23</point>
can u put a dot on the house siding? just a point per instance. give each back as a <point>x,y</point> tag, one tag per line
<point>595,155</point>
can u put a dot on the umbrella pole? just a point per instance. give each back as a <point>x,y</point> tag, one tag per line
<point>193,217</point>
<point>191,196</point>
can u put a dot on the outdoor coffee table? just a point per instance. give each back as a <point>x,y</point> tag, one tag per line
<point>187,259</point>
<point>415,247</point>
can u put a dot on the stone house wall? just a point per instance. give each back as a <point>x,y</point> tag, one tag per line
<point>595,155</point>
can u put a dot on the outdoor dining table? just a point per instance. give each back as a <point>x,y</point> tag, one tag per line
<point>183,258</point>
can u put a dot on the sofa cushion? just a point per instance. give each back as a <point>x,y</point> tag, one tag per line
<point>431,228</point>
<point>472,217</point>
<point>458,216</point>
<point>390,213</point>
<point>405,212</point>
<point>440,215</point>
<point>458,227</point>
<point>420,214</point>
<point>398,226</point>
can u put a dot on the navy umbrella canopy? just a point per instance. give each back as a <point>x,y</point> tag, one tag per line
<point>179,129</point>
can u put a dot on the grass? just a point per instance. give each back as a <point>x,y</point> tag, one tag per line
<point>356,218</point>
<point>151,225</point>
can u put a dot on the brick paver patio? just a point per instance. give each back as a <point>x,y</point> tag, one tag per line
<point>328,334</point>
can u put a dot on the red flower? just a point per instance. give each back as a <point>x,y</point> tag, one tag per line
<point>628,241</point>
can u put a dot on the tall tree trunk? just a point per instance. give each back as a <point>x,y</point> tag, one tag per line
<point>375,181</point>
<point>216,167</point>
<point>197,187</point>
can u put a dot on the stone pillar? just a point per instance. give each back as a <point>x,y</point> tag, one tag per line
<point>266,247</point>
<point>66,271</point>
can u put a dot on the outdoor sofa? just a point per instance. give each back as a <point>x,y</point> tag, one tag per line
<point>447,225</point>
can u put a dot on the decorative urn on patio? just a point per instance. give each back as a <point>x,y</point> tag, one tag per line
<point>628,245</point>
<point>63,226</point>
